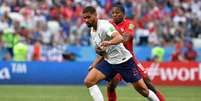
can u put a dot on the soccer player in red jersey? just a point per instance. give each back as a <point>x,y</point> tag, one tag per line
<point>126,28</point>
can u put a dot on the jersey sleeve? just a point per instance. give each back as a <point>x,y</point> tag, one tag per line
<point>130,29</point>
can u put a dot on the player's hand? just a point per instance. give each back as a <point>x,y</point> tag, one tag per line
<point>105,44</point>
<point>90,67</point>
<point>100,51</point>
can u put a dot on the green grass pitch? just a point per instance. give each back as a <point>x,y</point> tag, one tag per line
<point>80,93</point>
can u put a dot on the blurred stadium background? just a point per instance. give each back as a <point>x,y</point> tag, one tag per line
<point>45,48</point>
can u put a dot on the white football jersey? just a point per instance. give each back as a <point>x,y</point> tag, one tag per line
<point>115,54</point>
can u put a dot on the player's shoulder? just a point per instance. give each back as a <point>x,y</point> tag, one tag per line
<point>127,21</point>
<point>103,21</point>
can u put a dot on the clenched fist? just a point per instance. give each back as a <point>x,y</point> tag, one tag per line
<point>100,51</point>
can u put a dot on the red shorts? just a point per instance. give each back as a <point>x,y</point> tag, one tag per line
<point>142,70</point>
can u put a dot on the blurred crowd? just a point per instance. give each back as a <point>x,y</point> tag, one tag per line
<point>40,30</point>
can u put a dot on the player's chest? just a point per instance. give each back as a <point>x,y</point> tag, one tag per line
<point>99,36</point>
<point>121,28</point>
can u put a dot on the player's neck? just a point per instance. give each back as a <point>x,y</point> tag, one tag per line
<point>95,25</point>
<point>119,22</point>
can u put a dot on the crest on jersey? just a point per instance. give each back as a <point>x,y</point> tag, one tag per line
<point>112,29</point>
<point>131,26</point>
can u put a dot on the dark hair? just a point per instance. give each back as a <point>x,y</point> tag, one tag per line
<point>120,6</point>
<point>89,9</point>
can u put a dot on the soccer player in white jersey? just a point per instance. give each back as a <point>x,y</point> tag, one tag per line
<point>114,59</point>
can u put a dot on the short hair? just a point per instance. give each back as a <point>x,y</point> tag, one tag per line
<point>89,9</point>
<point>120,6</point>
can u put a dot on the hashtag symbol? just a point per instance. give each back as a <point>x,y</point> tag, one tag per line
<point>153,70</point>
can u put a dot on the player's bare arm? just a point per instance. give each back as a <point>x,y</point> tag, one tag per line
<point>100,51</point>
<point>126,36</point>
<point>116,39</point>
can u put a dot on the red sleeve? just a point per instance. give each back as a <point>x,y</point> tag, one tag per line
<point>129,28</point>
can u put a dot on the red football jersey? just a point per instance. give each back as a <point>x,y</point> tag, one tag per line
<point>126,27</point>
